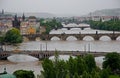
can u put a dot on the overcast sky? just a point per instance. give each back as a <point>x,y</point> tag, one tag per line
<point>75,7</point>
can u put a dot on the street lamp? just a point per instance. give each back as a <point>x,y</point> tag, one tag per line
<point>41,47</point>
<point>46,46</point>
<point>89,47</point>
<point>85,48</point>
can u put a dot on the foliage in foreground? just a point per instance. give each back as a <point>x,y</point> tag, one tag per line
<point>80,67</point>
<point>112,60</point>
<point>24,74</point>
<point>114,76</point>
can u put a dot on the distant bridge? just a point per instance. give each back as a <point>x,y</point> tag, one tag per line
<point>47,54</point>
<point>81,27</point>
<point>95,36</point>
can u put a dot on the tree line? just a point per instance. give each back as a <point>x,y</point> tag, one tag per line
<point>111,25</point>
<point>82,67</point>
<point>50,24</point>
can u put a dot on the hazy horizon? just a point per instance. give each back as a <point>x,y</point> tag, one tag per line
<point>58,7</point>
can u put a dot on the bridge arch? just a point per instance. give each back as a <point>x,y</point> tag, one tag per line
<point>55,38</point>
<point>71,38</point>
<point>37,39</point>
<point>88,38</point>
<point>105,38</point>
<point>118,38</point>
<point>25,39</point>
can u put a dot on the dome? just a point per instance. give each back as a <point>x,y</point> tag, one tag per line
<point>7,76</point>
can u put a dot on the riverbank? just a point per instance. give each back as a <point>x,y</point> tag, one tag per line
<point>11,67</point>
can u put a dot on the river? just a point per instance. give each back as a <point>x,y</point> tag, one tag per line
<point>105,44</point>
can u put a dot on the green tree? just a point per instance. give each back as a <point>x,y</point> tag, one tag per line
<point>72,66</point>
<point>53,24</point>
<point>24,74</point>
<point>76,75</point>
<point>95,74</point>
<point>112,25</point>
<point>13,36</point>
<point>86,75</point>
<point>90,62</point>
<point>81,66</point>
<point>2,39</point>
<point>112,60</point>
<point>104,73</point>
<point>48,67</point>
<point>67,75</point>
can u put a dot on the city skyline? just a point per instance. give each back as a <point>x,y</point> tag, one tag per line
<point>59,7</point>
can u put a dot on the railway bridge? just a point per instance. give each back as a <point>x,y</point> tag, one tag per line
<point>47,54</point>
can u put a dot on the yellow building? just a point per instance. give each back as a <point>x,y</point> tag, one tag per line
<point>31,30</point>
<point>30,26</point>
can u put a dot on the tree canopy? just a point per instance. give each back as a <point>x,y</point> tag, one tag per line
<point>13,36</point>
<point>73,68</point>
<point>24,74</point>
<point>111,25</point>
<point>52,24</point>
<point>112,60</point>
<point>79,67</point>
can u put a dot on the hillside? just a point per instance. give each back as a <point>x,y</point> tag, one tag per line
<point>106,12</point>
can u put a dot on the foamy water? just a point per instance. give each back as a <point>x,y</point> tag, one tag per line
<point>21,58</point>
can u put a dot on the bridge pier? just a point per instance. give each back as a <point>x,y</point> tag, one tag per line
<point>96,38</point>
<point>113,38</point>
<point>68,28</point>
<point>82,28</point>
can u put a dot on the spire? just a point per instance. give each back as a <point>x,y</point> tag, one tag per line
<point>90,16</point>
<point>2,11</point>
<point>15,18</point>
<point>23,17</point>
<point>16,22</point>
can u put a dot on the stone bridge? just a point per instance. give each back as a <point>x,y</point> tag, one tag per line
<point>47,54</point>
<point>95,36</point>
<point>81,27</point>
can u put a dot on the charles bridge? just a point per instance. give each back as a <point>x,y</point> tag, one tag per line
<point>63,36</point>
<point>47,54</point>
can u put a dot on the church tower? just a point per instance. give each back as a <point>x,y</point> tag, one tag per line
<point>2,11</point>
<point>16,22</point>
<point>23,17</point>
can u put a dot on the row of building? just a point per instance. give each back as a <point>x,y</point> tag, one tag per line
<point>26,25</point>
<point>97,18</point>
